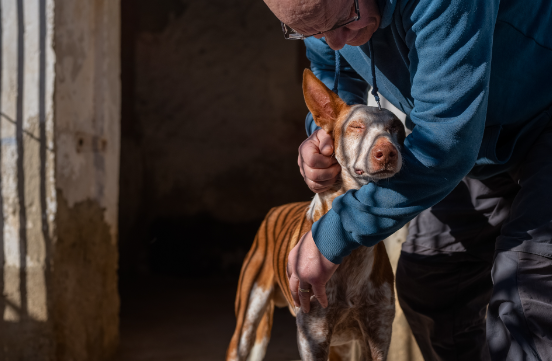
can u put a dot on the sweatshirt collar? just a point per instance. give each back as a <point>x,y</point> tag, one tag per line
<point>386,7</point>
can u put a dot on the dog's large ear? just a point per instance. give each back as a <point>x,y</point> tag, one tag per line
<point>323,103</point>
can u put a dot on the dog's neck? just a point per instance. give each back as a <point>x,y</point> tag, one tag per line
<point>322,202</point>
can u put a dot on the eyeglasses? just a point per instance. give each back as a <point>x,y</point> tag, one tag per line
<point>291,34</point>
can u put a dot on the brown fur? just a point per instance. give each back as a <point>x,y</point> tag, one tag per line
<point>265,267</point>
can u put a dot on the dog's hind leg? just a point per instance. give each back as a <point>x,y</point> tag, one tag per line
<point>254,324</point>
<point>376,329</point>
<point>346,352</point>
<point>254,303</point>
<point>262,337</point>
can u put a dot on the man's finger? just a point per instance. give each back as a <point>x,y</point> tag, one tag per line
<point>304,297</point>
<point>319,187</point>
<point>326,142</point>
<point>311,156</point>
<point>310,153</point>
<point>293,285</point>
<point>320,294</point>
<point>300,164</point>
<point>320,175</point>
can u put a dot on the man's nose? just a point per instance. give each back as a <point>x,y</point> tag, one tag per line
<point>383,154</point>
<point>337,38</point>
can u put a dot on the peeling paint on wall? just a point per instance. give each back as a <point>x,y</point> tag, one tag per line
<point>85,301</point>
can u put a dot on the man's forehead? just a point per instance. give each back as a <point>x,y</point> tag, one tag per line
<point>307,13</point>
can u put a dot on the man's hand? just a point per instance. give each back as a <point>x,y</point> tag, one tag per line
<point>308,269</point>
<point>318,167</point>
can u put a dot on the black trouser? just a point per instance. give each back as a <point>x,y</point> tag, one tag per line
<point>475,274</point>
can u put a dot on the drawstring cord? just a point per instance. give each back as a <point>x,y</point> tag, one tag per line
<point>337,71</point>
<point>373,66</point>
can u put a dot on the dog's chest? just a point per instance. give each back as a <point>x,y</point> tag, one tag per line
<point>352,282</point>
<point>359,294</point>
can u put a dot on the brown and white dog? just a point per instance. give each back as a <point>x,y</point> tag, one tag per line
<point>356,325</point>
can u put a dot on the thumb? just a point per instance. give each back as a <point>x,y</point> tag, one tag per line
<point>319,292</point>
<point>326,143</point>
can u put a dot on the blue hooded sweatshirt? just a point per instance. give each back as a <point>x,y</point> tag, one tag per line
<point>475,81</point>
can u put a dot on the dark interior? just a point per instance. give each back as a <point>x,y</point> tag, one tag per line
<point>212,117</point>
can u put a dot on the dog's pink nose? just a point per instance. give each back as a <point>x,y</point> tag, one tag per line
<point>359,171</point>
<point>384,154</point>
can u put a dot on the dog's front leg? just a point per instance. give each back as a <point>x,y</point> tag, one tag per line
<point>314,332</point>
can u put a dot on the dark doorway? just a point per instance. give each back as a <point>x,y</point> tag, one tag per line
<point>212,116</point>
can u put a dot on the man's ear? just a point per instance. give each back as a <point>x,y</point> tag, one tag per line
<point>324,104</point>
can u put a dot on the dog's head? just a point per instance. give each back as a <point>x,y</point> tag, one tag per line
<point>367,141</point>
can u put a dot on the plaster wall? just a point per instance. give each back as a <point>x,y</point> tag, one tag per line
<point>58,176</point>
<point>87,138</point>
<point>27,170</point>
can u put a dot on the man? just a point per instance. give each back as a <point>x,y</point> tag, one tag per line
<point>475,80</point>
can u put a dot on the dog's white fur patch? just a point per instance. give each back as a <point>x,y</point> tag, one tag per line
<point>258,351</point>
<point>258,301</point>
<point>313,205</point>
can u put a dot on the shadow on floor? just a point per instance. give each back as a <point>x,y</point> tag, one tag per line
<point>170,319</point>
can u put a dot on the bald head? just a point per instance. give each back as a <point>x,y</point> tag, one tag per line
<point>313,16</point>
<point>306,15</point>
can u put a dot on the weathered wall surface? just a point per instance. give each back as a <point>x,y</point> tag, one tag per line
<point>59,173</point>
<point>216,116</point>
<point>27,206</point>
<point>87,138</point>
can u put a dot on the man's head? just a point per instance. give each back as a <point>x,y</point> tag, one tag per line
<point>313,16</point>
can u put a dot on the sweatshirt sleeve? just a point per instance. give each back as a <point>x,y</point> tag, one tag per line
<point>352,88</point>
<point>449,45</point>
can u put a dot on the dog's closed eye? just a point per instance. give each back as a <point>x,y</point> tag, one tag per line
<point>356,125</point>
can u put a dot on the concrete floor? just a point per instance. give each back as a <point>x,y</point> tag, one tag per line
<point>170,319</point>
